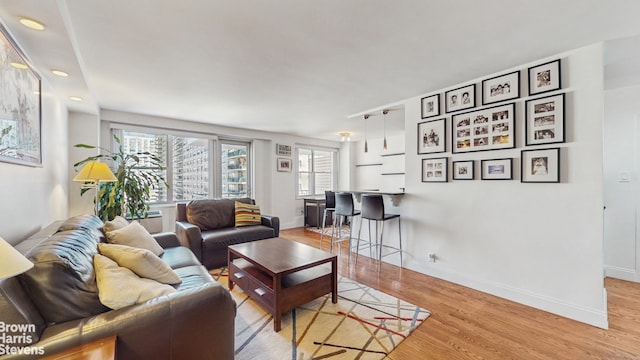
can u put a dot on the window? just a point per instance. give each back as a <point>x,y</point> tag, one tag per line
<point>315,171</point>
<point>234,171</point>
<point>136,142</point>
<point>189,167</point>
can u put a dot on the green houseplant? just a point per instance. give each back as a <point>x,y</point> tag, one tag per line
<point>137,174</point>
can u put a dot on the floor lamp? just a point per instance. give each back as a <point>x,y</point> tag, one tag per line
<point>92,174</point>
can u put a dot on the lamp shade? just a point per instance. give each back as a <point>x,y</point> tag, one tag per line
<point>12,262</point>
<point>95,171</point>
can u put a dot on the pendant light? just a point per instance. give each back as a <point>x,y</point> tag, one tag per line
<point>384,119</point>
<point>366,146</point>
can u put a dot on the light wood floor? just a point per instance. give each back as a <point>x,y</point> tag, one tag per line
<point>468,324</point>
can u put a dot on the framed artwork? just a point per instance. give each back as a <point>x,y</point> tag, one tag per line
<point>284,164</point>
<point>20,106</point>
<point>501,88</point>
<point>283,150</point>
<point>540,166</point>
<point>487,129</point>
<point>544,120</point>
<point>430,106</point>
<point>497,169</point>
<point>460,98</point>
<point>434,170</point>
<point>432,137</point>
<point>544,77</point>
<point>463,170</point>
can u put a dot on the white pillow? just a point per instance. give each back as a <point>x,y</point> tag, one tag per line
<point>141,261</point>
<point>119,287</point>
<point>117,223</point>
<point>134,235</point>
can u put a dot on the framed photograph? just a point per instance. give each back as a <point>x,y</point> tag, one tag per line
<point>540,166</point>
<point>544,77</point>
<point>432,137</point>
<point>460,98</point>
<point>501,88</point>
<point>544,120</point>
<point>462,170</point>
<point>284,164</point>
<point>487,129</point>
<point>430,106</point>
<point>497,169</point>
<point>283,150</point>
<point>434,170</point>
<point>20,106</point>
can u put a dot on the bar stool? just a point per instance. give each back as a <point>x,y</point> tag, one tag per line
<point>329,206</point>
<point>344,209</point>
<point>373,209</point>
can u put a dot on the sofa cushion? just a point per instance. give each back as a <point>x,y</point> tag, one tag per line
<point>179,256</point>
<point>119,287</point>
<point>211,214</point>
<point>134,235</point>
<point>117,223</point>
<point>90,223</point>
<point>142,262</point>
<point>247,214</point>
<point>62,282</point>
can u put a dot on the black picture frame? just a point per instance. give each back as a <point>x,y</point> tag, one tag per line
<point>501,88</point>
<point>545,77</point>
<point>460,99</point>
<point>21,104</point>
<point>545,120</point>
<point>463,170</point>
<point>435,170</point>
<point>540,165</point>
<point>430,106</point>
<point>496,169</point>
<point>486,129</point>
<point>432,136</point>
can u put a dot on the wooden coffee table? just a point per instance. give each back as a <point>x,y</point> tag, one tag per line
<point>281,274</point>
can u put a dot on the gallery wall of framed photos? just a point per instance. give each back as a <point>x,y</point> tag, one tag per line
<point>491,116</point>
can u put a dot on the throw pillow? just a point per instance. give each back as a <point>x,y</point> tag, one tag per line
<point>119,287</point>
<point>134,235</point>
<point>117,223</point>
<point>142,262</point>
<point>247,214</point>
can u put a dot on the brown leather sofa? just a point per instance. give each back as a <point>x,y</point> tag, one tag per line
<point>208,227</point>
<point>58,300</point>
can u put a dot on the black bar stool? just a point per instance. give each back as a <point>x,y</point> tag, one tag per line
<point>329,206</point>
<point>344,210</point>
<point>373,209</point>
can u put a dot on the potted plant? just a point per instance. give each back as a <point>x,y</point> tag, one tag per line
<point>137,174</point>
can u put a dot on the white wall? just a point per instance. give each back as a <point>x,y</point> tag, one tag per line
<point>33,197</point>
<point>537,244</point>
<point>83,129</point>
<point>621,135</point>
<point>274,191</point>
<point>621,158</point>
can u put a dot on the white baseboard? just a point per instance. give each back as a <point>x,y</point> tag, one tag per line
<point>591,316</point>
<point>620,273</point>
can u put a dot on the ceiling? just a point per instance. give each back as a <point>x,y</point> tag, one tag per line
<point>307,68</point>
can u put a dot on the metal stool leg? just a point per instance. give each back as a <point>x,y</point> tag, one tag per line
<point>324,221</point>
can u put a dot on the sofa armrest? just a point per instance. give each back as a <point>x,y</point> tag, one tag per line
<point>167,239</point>
<point>190,236</point>
<point>175,326</point>
<point>272,222</point>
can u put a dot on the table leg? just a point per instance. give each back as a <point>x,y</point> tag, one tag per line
<point>229,261</point>
<point>277,317</point>
<point>334,280</point>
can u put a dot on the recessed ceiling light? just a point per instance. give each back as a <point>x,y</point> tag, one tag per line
<point>59,73</point>
<point>75,98</point>
<point>18,65</point>
<point>31,24</point>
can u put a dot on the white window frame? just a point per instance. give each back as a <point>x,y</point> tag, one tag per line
<point>312,185</point>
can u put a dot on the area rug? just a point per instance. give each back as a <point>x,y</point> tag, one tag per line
<point>364,324</point>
